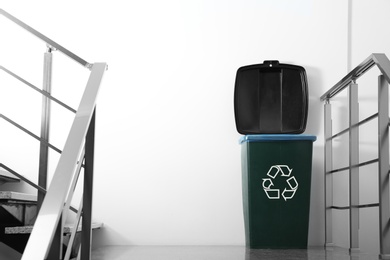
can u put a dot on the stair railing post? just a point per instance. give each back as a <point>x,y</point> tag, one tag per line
<point>383,178</point>
<point>86,235</point>
<point>45,125</point>
<point>328,175</point>
<point>353,168</point>
<point>56,246</point>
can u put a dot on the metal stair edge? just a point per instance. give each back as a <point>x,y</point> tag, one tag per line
<point>6,176</point>
<point>17,196</point>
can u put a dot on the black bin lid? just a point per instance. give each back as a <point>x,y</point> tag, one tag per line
<point>271,98</point>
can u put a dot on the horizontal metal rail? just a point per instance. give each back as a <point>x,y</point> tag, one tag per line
<point>378,59</point>
<point>30,133</point>
<point>52,207</point>
<point>22,177</point>
<point>358,124</point>
<point>37,89</point>
<point>47,40</point>
<point>353,166</point>
<point>371,205</point>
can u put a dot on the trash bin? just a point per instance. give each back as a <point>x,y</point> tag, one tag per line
<point>276,180</point>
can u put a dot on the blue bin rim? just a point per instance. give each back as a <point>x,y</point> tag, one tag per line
<point>277,137</point>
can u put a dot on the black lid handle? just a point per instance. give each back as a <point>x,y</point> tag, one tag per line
<point>270,63</point>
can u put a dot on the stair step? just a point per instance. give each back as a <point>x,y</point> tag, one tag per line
<point>17,196</point>
<point>28,229</point>
<point>7,177</point>
<point>21,206</point>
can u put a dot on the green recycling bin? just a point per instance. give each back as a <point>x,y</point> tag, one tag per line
<point>276,181</point>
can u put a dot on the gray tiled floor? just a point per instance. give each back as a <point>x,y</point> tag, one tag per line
<point>222,253</point>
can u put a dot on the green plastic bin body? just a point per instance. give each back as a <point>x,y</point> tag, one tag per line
<point>276,181</point>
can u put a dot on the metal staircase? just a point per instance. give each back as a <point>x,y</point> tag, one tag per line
<point>38,225</point>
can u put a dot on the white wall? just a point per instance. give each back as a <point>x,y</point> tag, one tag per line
<point>167,159</point>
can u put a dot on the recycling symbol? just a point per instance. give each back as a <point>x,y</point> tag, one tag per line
<point>284,172</point>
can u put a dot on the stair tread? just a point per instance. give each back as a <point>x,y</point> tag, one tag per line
<point>7,177</point>
<point>28,229</point>
<point>13,195</point>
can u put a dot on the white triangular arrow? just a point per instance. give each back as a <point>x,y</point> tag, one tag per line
<point>270,184</point>
<point>284,169</point>
<point>286,197</point>
<point>292,182</point>
<point>273,197</point>
<point>271,173</point>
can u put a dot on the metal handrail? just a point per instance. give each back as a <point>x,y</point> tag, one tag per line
<point>378,59</point>
<point>22,178</point>
<point>364,121</point>
<point>30,133</point>
<point>52,207</point>
<point>47,40</point>
<point>37,89</point>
